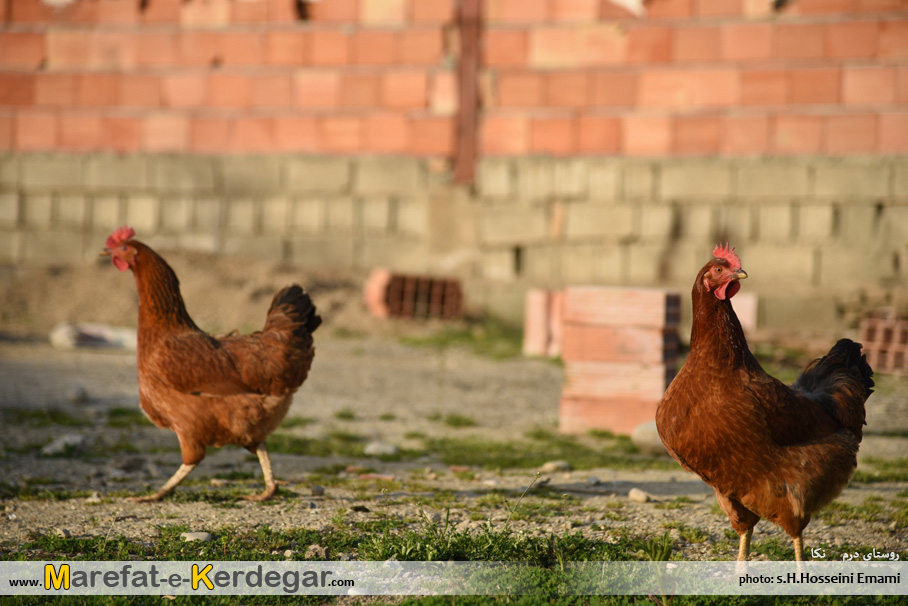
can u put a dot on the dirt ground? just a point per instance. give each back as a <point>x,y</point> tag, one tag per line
<point>364,382</point>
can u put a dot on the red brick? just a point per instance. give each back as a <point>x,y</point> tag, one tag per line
<point>241,48</point>
<point>615,379</point>
<point>553,135</point>
<point>649,44</point>
<point>56,90</point>
<point>335,11</point>
<point>68,49</point>
<point>361,90</point>
<point>7,122</point>
<point>157,49</point>
<point>504,134</point>
<point>598,305</point>
<point>901,84</point>
<point>720,8</point>
<point>669,9</point>
<point>568,89</point>
<point>584,342</point>
<point>121,12</point>
<point>341,133</point>
<point>869,86</point>
<point>615,89</point>
<point>697,135</point>
<point>208,134</point>
<point>165,132</point>
<point>249,11</point>
<point>386,132</point>
<point>880,6</point>
<point>796,134</point>
<point>272,91</point>
<point>383,11</point>
<point>162,11</point>
<point>578,46</point>
<point>749,42</point>
<point>81,132</point>
<point>205,13</point>
<point>599,134</point>
<point>893,133</point>
<point>746,135</point>
<point>800,41</point>
<point>329,47</point>
<point>286,47</point>
<point>122,134</point>
<point>184,89</point>
<point>893,40</point>
<point>689,88</point>
<point>226,90</point>
<point>17,90</point>
<point>317,89</point>
<point>296,133</point>
<point>114,50</point>
<point>505,48</point>
<point>421,46</point>
<point>432,136</point>
<point>404,89</point>
<point>99,90</point>
<point>199,49</point>
<point>516,11</point>
<point>814,86</point>
<point>521,89</point>
<point>583,11</point>
<point>610,10</point>
<point>437,11</point>
<point>764,87</point>
<point>374,47</point>
<point>825,7</point>
<point>251,134</point>
<point>139,91</point>
<point>578,415</point>
<point>281,11</point>
<point>36,130</point>
<point>31,11</point>
<point>444,96</point>
<point>697,44</point>
<point>536,322</point>
<point>851,134</point>
<point>21,50</point>
<point>852,39</point>
<point>646,135</point>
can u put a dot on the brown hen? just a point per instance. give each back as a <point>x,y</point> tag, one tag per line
<point>213,391</point>
<point>769,450</point>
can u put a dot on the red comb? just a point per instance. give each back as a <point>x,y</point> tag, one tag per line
<point>118,237</point>
<point>727,254</point>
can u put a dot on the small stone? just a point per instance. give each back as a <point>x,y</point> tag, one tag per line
<point>312,505</point>
<point>65,443</point>
<point>63,533</point>
<point>317,491</point>
<point>288,554</point>
<point>204,537</point>
<point>638,496</point>
<point>77,395</point>
<point>646,438</point>
<point>555,466</point>
<point>94,497</point>
<point>593,481</point>
<point>316,552</point>
<point>360,509</point>
<point>219,482</point>
<point>380,449</point>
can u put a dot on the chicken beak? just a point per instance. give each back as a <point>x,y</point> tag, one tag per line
<point>741,274</point>
<point>105,253</point>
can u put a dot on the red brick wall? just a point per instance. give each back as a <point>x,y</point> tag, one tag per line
<point>561,77</point>
<point>696,77</point>
<point>364,76</point>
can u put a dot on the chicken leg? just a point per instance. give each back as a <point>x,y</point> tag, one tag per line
<point>744,545</point>
<point>270,484</point>
<point>167,488</point>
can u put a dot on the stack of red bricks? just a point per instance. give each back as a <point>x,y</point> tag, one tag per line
<point>620,351</point>
<point>885,341</point>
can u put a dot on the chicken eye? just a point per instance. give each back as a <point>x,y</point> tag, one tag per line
<point>718,270</point>
<point>123,247</point>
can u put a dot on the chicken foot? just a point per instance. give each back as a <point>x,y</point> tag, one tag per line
<point>270,483</point>
<point>744,545</point>
<point>167,488</point>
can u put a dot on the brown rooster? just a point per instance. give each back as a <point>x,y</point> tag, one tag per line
<point>768,450</point>
<point>213,391</point>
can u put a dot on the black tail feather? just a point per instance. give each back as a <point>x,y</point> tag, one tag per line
<point>296,303</point>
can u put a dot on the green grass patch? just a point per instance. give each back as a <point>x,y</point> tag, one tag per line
<point>676,503</point>
<point>127,417</point>
<point>488,337</point>
<point>345,415</point>
<point>41,417</point>
<point>876,469</point>
<point>291,422</point>
<point>458,420</point>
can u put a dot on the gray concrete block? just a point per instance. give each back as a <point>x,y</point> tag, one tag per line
<point>52,246</point>
<point>899,180</point>
<point>308,214</point>
<point>658,222</point>
<point>105,213</point>
<point>250,174</point>
<point>816,222</point>
<point>9,209</point>
<point>695,180</point>
<point>265,248</point>
<point>605,177</point>
<point>513,225</point>
<point>119,173</point>
<point>318,175</point>
<point>535,178</point>
<point>644,263</point>
<point>208,214</point>
<point>413,216</point>
<point>797,313</point>
<point>591,220</point>
<point>71,211</point>
<point>241,216</point>
<point>342,214</point>
<point>382,176</point>
<point>46,173</point>
<point>497,264</point>
<point>698,221</point>
<point>322,251</point>
<point>852,179</point>
<point>11,247</point>
<point>735,224</point>
<point>378,213</point>
<point>773,267</point>
<point>186,174</point>
<point>275,214</point>
<point>772,179</point>
<point>859,225</point>
<point>38,210</point>
<point>495,178</point>
<point>895,225</point>
<point>9,171</point>
<point>142,213</point>
<point>542,264</point>
<point>638,182</point>
<point>397,253</point>
<point>859,266</point>
<point>176,214</point>
<point>578,263</point>
<point>776,222</point>
<point>571,178</point>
